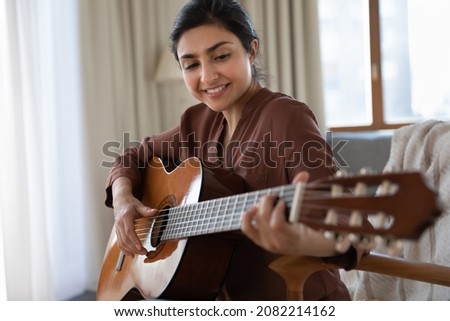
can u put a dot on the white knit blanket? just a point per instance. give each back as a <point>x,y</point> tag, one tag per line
<point>426,147</point>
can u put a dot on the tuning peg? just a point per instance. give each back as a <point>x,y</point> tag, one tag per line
<point>342,243</point>
<point>340,173</point>
<point>381,221</point>
<point>330,235</point>
<point>365,241</point>
<point>356,219</point>
<point>365,171</point>
<point>395,247</point>
<point>354,238</point>
<point>380,241</point>
<point>368,242</point>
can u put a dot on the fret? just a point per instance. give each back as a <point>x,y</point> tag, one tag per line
<point>201,217</point>
<point>218,216</point>
<point>175,220</point>
<point>205,217</point>
<point>237,217</point>
<point>230,212</point>
<point>281,194</point>
<point>210,222</point>
<point>182,226</point>
<point>191,220</point>
<point>256,198</point>
<point>169,216</point>
<point>225,209</point>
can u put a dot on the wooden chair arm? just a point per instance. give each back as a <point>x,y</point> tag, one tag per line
<point>296,270</point>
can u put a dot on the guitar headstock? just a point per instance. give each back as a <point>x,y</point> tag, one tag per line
<point>399,206</point>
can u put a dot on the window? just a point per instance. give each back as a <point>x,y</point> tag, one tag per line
<point>385,62</point>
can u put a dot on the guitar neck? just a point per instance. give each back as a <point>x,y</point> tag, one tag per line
<point>217,215</point>
<point>336,205</point>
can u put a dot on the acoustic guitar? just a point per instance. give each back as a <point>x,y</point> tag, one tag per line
<point>191,241</point>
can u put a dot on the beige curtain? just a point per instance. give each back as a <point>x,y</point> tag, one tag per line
<point>42,203</point>
<point>122,42</point>
<point>289,30</point>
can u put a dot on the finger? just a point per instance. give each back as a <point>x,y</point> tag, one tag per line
<point>248,226</point>
<point>124,245</point>
<point>265,208</point>
<point>135,242</point>
<point>279,214</point>
<point>129,241</point>
<point>301,177</point>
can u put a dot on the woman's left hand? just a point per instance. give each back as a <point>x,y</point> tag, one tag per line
<point>266,225</point>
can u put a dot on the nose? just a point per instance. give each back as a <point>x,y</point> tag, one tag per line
<point>209,73</point>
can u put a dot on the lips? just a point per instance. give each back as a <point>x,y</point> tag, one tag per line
<point>215,90</point>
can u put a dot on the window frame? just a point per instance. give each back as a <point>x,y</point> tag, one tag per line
<point>378,122</point>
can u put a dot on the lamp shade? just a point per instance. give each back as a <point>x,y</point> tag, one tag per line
<point>167,69</point>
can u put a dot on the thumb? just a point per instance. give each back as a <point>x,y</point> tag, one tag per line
<point>146,211</point>
<point>301,177</point>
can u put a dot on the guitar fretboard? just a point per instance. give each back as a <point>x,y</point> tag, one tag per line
<point>218,215</point>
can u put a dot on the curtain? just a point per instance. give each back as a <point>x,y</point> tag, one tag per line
<point>121,45</point>
<point>41,169</point>
<point>4,73</point>
<point>289,30</point>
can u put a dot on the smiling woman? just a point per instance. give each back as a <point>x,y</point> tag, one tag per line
<point>269,134</point>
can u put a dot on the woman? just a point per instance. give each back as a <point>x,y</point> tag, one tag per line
<point>267,138</point>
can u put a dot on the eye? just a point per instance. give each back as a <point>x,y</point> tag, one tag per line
<point>221,57</point>
<point>190,66</point>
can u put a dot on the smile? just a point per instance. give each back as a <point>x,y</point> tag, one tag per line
<point>215,90</point>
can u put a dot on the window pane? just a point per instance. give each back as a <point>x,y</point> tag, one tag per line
<point>415,53</point>
<point>345,56</point>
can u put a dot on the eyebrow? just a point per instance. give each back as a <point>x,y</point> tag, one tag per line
<point>209,50</point>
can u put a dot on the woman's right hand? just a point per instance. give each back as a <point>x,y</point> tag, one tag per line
<point>127,209</point>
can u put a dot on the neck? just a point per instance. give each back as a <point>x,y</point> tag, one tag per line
<point>233,113</point>
<point>218,215</point>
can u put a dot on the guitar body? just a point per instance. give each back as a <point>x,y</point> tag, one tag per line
<point>185,269</point>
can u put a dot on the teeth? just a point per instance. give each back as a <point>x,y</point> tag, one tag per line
<point>215,90</point>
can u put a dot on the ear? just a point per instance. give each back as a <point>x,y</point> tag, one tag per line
<point>254,50</point>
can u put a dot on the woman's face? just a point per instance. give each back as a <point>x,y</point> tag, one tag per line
<point>216,68</point>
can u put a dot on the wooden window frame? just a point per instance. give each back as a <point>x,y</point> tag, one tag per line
<point>378,121</point>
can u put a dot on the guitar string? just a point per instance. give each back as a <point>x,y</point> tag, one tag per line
<point>198,221</point>
<point>180,211</point>
<point>217,205</point>
<point>227,221</point>
<point>204,219</point>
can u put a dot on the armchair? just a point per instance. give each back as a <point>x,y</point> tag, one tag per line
<point>296,270</point>
<point>421,270</point>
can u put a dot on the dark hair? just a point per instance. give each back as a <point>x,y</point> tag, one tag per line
<point>227,13</point>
